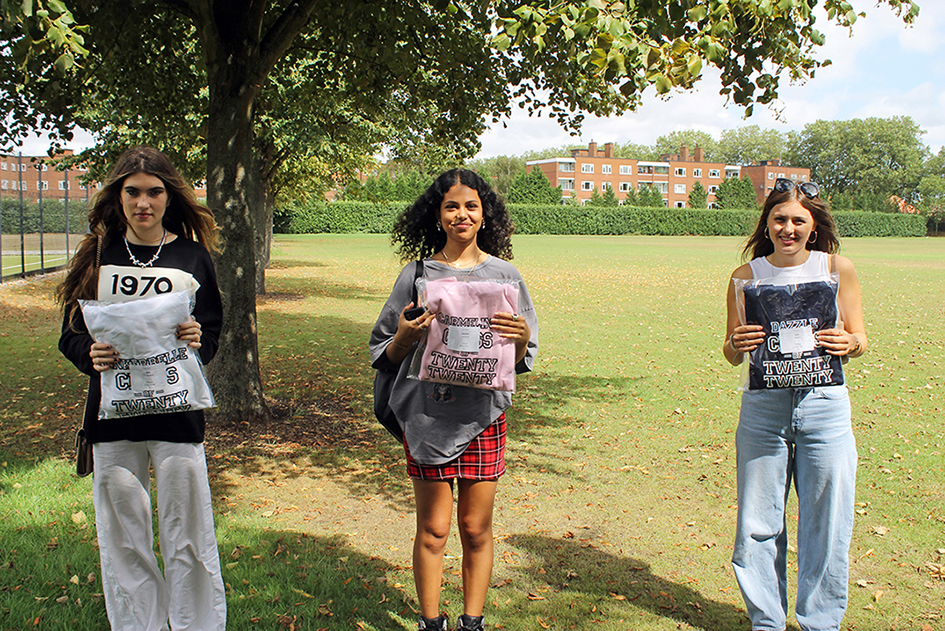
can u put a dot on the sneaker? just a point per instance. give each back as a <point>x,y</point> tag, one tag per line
<point>439,623</point>
<point>469,623</point>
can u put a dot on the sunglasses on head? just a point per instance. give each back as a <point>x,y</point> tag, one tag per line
<point>810,189</point>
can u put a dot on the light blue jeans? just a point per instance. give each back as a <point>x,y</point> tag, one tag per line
<point>802,434</point>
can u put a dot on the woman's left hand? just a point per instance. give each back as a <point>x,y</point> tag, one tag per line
<point>837,341</point>
<point>511,326</point>
<point>190,332</point>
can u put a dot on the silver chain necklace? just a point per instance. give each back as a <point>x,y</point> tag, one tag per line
<point>153,258</point>
<point>453,268</point>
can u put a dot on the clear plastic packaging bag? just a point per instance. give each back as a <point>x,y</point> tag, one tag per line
<point>156,373</point>
<point>460,347</point>
<point>791,313</point>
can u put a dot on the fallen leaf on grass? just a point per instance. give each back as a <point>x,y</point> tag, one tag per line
<point>542,623</point>
<point>534,596</point>
<point>937,570</point>
<point>877,595</point>
<point>79,517</point>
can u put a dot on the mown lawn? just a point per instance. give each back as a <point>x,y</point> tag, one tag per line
<point>618,509</point>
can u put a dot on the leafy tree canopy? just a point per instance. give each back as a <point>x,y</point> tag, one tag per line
<point>736,193</point>
<point>533,188</point>
<point>873,156</point>
<point>698,196</point>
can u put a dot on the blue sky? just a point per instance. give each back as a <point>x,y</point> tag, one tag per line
<point>885,69</point>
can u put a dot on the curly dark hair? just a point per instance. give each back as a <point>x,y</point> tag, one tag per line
<point>760,245</point>
<point>415,235</point>
<point>184,216</point>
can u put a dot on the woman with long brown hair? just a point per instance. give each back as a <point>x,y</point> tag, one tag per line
<point>794,425</point>
<point>149,236</point>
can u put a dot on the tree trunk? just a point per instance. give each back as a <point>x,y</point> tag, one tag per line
<point>263,208</point>
<point>231,181</point>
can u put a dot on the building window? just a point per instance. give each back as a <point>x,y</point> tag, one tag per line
<point>771,176</point>
<point>4,165</point>
<point>567,184</point>
<point>587,186</point>
<point>63,185</point>
<point>680,204</point>
<point>681,171</point>
<point>566,167</point>
<point>731,173</point>
<point>625,187</point>
<point>662,187</point>
<point>14,186</point>
<point>714,173</point>
<point>6,184</point>
<point>625,169</point>
<point>45,185</point>
<point>713,188</point>
<point>697,173</point>
<point>605,186</point>
<point>605,169</point>
<point>679,189</point>
<point>587,168</point>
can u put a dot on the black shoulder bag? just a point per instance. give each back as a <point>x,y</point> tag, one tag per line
<point>384,381</point>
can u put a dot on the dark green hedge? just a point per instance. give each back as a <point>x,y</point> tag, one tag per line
<point>348,217</point>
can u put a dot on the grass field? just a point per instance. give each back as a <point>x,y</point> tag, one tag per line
<point>618,509</point>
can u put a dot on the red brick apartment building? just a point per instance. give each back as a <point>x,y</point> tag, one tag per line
<point>589,170</point>
<point>34,174</point>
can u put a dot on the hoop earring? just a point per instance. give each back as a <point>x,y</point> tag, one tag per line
<point>813,237</point>
<point>767,236</point>
<point>439,226</point>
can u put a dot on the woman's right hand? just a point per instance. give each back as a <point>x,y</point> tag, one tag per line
<point>747,337</point>
<point>103,356</point>
<point>408,332</point>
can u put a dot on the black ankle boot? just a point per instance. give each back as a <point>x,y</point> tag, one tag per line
<point>440,623</point>
<point>469,623</point>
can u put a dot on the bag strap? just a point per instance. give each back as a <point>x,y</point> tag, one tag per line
<point>417,273</point>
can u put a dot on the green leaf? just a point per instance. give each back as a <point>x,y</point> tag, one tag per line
<point>65,62</point>
<point>699,13</point>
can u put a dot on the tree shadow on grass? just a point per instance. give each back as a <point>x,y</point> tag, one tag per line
<point>612,587</point>
<point>274,579</point>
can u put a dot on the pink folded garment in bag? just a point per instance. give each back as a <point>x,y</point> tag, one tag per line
<point>461,347</point>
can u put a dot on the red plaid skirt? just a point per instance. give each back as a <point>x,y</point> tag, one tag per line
<point>484,459</point>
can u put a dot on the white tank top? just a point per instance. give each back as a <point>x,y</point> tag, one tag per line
<point>816,266</point>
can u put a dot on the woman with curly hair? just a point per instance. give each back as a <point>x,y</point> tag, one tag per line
<point>459,229</point>
<point>800,433</point>
<point>149,236</point>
